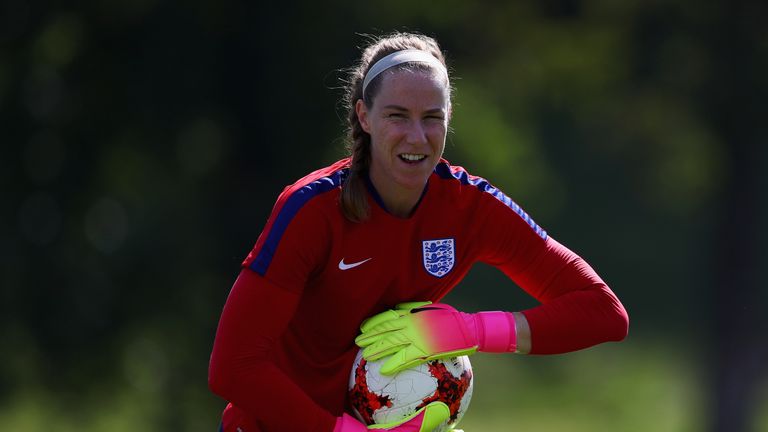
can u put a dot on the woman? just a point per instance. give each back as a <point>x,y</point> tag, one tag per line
<point>393,223</point>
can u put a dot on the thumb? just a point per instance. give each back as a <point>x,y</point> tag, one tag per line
<point>426,419</point>
<point>412,305</point>
<point>435,414</point>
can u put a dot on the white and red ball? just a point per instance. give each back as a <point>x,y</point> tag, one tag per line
<point>377,398</point>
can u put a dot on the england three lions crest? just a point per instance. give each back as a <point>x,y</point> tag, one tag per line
<point>438,256</point>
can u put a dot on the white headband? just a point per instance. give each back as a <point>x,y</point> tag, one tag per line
<point>399,57</point>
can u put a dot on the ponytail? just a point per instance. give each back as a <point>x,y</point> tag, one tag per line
<point>354,199</point>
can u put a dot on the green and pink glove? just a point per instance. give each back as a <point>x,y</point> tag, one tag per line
<point>424,420</point>
<point>417,332</point>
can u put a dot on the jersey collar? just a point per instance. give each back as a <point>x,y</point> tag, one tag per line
<point>376,197</point>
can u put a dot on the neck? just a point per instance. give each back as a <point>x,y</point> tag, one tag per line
<point>402,208</point>
<point>397,201</point>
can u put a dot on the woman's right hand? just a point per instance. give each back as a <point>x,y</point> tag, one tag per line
<point>423,420</point>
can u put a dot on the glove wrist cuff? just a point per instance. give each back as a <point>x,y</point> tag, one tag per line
<point>496,331</point>
<point>347,423</point>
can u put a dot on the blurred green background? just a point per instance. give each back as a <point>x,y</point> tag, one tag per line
<point>144,142</point>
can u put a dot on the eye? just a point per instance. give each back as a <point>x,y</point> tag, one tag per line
<point>396,115</point>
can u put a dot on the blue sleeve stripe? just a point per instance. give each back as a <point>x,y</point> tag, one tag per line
<point>292,205</point>
<point>443,170</point>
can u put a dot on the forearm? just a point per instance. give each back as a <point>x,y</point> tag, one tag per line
<point>269,397</point>
<point>578,309</point>
<point>241,371</point>
<point>576,320</point>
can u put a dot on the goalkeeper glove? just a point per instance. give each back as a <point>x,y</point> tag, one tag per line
<point>414,333</point>
<point>424,420</point>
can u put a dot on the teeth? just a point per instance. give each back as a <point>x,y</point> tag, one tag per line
<point>412,157</point>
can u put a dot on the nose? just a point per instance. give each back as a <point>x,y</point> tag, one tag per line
<point>417,133</point>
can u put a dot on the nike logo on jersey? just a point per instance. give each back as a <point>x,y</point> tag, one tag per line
<point>344,266</point>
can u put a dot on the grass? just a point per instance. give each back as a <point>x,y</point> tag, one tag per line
<point>607,388</point>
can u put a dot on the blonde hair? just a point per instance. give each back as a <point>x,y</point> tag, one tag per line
<point>354,200</point>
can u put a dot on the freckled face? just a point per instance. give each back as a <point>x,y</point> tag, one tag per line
<point>408,123</point>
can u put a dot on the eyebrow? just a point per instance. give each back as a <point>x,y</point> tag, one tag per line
<point>404,109</point>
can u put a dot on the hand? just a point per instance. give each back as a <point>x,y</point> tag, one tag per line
<point>399,310</point>
<point>423,420</point>
<point>426,419</point>
<point>413,335</point>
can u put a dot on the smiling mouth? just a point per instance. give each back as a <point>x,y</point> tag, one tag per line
<point>411,158</point>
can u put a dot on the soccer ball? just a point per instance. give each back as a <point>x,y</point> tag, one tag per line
<point>377,398</point>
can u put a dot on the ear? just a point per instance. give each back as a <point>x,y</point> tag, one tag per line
<point>362,115</point>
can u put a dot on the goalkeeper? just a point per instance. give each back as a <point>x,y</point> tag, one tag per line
<point>392,223</point>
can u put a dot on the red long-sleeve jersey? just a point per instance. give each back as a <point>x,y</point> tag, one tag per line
<point>285,342</point>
